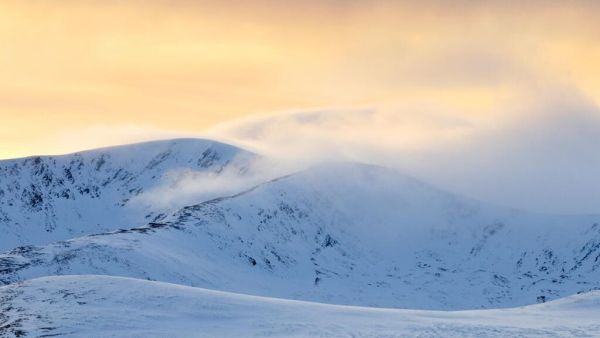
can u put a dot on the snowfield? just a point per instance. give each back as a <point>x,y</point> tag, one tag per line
<point>90,249</point>
<point>101,306</point>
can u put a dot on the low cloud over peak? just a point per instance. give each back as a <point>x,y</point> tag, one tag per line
<point>537,156</point>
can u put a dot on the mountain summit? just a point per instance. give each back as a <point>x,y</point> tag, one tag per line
<point>49,198</point>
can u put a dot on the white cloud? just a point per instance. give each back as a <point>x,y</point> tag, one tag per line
<point>540,153</point>
<point>182,187</point>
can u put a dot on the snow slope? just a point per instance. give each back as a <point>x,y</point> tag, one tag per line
<point>49,198</point>
<point>100,306</point>
<point>345,234</point>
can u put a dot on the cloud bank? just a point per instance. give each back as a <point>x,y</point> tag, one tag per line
<point>540,153</point>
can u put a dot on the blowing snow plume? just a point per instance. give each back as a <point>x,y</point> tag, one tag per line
<point>524,155</point>
<point>185,186</point>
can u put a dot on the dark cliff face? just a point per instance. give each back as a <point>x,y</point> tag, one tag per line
<point>57,197</point>
<point>372,238</point>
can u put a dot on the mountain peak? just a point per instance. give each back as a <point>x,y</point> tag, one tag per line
<point>48,198</point>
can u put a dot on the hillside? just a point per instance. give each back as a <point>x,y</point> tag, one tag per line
<point>49,198</point>
<point>345,234</point>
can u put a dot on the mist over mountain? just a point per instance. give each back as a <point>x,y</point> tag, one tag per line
<point>527,154</point>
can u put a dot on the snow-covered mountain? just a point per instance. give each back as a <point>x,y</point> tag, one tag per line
<point>101,306</point>
<point>49,198</point>
<point>346,234</point>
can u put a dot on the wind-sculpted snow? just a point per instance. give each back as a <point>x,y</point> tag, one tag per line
<point>344,234</point>
<point>49,198</point>
<point>100,306</point>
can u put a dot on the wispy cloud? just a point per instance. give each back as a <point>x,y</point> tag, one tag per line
<point>182,187</point>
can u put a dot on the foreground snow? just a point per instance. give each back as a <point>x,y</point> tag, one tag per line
<point>114,306</point>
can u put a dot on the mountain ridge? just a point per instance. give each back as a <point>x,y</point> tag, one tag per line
<point>45,198</point>
<point>346,234</point>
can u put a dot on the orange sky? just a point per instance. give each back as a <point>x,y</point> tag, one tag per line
<point>78,74</point>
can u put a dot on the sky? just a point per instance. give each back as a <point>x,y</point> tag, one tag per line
<point>69,68</point>
<point>493,91</point>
